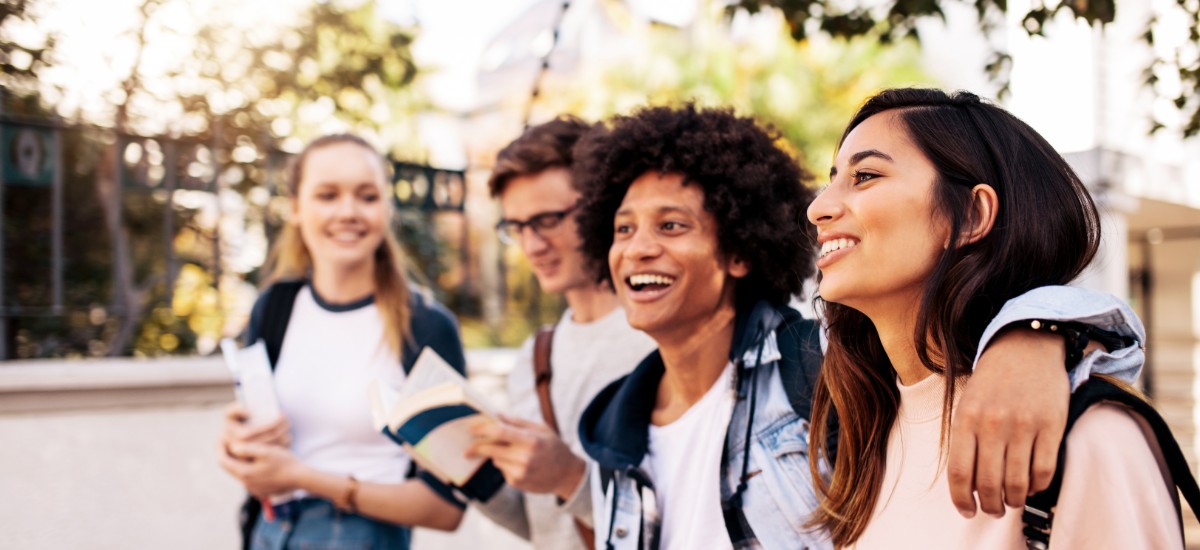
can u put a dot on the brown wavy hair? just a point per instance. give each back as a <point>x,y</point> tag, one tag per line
<point>1046,231</point>
<point>547,145</point>
<point>290,259</point>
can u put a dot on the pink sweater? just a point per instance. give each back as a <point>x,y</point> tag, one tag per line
<point>1114,493</point>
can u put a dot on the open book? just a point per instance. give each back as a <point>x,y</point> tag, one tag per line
<point>431,416</point>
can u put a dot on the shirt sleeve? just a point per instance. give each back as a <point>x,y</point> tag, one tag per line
<point>1114,492</point>
<point>507,509</point>
<point>434,326</point>
<point>1099,309</point>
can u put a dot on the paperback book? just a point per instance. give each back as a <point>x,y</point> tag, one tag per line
<point>431,416</point>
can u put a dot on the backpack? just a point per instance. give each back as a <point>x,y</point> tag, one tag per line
<point>1039,508</point>
<point>276,313</point>
<point>798,372</point>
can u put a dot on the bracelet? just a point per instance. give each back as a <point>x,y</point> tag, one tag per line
<point>350,499</point>
<point>1077,336</point>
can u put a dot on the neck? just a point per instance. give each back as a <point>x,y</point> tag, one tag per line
<point>693,360</point>
<point>590,302</point>
<point>344,284</point>
<point>896,334</point>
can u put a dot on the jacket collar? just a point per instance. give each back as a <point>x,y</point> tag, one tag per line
<point>615,427</point>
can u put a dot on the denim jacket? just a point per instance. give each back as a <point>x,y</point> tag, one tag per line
<point>778,495</point>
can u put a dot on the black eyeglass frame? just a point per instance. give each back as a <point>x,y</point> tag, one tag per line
<point>510,231</point>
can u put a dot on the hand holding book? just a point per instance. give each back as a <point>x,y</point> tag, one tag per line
<point>431,416</point>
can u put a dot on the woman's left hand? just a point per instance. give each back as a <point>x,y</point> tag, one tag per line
<point>264,469</point>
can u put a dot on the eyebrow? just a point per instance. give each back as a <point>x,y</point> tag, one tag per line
<point>860,156</point>
<point>660,210</point>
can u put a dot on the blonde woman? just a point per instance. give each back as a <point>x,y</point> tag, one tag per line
<point>337,312</point>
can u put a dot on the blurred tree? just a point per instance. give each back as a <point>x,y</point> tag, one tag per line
<point>20,57</point>
<point>333,68</point>
<point>890,20</point>
<point>807,91</point>
<point>240,89</point>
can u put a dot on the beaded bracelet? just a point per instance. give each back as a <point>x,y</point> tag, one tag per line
<point>351,497</point>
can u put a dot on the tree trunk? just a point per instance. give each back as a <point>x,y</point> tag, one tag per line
<point>127,298</point>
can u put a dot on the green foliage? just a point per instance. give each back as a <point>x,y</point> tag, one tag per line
<point>807,91</point>
<point>246,89</point>
<point>892,19</point>
<point>20,62</point>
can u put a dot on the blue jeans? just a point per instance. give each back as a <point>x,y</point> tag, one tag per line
<point>315,524</point>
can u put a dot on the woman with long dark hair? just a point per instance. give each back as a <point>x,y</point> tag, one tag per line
<point>941,208</point>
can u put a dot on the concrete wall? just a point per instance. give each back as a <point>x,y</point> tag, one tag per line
<point>120,454</point>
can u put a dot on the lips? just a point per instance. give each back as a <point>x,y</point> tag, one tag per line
<point>647,287</point>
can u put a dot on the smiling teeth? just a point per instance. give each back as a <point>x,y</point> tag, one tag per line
<point>640,280</point>
<point>837,244</point>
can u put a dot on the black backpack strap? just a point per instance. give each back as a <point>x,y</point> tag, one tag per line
<point>280,298</point>
<point>798,370</point>
<point>1039,508</point>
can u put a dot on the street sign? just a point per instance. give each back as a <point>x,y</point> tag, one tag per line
<point>28,155</point>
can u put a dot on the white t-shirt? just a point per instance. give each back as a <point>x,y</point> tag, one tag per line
<point>585,358</point>
<point>684,461</point>
<point>329,355</point>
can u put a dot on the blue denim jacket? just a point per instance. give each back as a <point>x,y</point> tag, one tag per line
<point>779,496</point>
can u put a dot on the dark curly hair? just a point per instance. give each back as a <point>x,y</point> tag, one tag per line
<point>752,188</point>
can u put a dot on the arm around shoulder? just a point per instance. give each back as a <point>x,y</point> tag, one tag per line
<point>1068,303</point>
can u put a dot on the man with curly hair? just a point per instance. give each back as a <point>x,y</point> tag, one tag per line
<point>697,218</point>
<point>589,347</point>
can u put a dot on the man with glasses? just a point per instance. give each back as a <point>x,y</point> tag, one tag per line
<point>548,499</point>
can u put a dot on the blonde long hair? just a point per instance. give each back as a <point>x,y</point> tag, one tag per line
<point>290,259</point>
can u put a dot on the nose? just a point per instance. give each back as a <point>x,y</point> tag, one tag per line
<point>348,207</point>
<point>826,207</point>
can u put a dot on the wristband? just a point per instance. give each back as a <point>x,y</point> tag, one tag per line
<point>1076,336</point>
<point>350,499</point>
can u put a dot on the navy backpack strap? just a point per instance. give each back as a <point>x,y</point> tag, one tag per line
<point>1039,508</point>
<point>280,298</point>
<point>798,372</point>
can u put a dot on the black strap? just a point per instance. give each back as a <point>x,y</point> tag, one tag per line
<point>278,312</point>
<point>798,370</point>
<point>1039,508</point>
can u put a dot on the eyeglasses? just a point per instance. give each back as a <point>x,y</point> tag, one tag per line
<point>510,230</point>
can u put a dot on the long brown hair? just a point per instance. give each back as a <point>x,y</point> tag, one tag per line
<point>1046,231</point>
<point>290,258</point>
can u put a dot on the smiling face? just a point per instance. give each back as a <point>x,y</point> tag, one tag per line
<point>554,252</point>
<point>339,206</point>
<point>879,232</point>
<point>664,259</point>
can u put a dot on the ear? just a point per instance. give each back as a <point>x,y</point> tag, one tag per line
<point>983,210</point>
<point>737,268</point>
<point>293,210</point>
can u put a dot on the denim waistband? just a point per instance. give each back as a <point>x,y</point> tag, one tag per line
<point>293,508</point>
